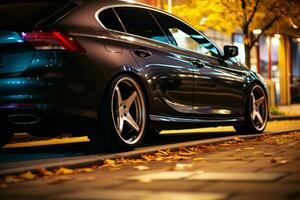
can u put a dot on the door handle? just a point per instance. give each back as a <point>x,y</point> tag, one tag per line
<point>198,63</point>
<point>143,53</point>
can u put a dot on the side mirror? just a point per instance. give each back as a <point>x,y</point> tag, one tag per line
<point>230,51</point>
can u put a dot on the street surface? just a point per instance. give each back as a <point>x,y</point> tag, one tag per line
<point>263,168</point>
<point>59,151</point>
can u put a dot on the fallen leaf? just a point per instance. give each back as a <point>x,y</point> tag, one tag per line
<point>238,139</point>
<point>45,172</point>
<point>283,161</point>
<point>85,170</point>
<point>181,157</point>
<point>110,163</point>
<point>268,154</point>
<point>163,152</point>
<point>141,168</point>
<point>198,159</point>
<point>28,176</point>
<point>180,166</point>
<point>148,157</point>
<point>64,171</point>
<point>182,153</point>
<point>12,179</point>
<point>249,148</point>
<point>145,180</point>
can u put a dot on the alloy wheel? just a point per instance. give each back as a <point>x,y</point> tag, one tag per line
<point>128,110</point>
<point>258,108</point>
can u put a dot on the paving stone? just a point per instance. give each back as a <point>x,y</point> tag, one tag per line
<point>181,185</point>
<point>252,188</point>
<point>145,195</point>
<point>235,176</point>
<point>172,175</point>
<point>259,197</point>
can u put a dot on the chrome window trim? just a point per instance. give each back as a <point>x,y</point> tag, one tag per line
<point>160,11</point>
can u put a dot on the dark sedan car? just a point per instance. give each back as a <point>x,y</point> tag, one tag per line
<point>117,71</point>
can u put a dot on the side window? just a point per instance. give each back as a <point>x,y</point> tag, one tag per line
<point>185,36</point>
<point>110,20</point>
<point>140,22</point>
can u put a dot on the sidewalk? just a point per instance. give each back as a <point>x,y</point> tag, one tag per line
<point>290,110</point>
<point>263,168</point>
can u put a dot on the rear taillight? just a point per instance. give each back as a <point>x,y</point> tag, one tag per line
<point>51,41</point>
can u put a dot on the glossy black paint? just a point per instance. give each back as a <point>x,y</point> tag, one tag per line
<point>56,91</point>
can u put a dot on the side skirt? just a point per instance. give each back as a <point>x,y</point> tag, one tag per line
<point>166,122</point>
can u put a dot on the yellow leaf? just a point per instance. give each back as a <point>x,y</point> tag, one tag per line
<point>249,148</point>
<point>283,161</point>
<point>85,170</point>
<point>267,154</point>
<point>12,179</point>
<point>45,172</point>
<point>180,166</point>
<point>181,158</point>
<point>141,168</point>
<point>64,171</point>
<point>28,176</point>
<point>110,163</point>
<point>198,159</point>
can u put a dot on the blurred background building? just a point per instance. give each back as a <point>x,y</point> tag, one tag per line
<point>275,56</point>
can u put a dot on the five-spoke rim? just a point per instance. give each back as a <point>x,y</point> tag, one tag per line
<point>128,110</point>
<point>258,108</point>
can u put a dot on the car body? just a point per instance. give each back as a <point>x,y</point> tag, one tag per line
<point>61,63</point>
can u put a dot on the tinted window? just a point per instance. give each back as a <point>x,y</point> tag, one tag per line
<point>110,20</point>
<point>140,22</point>
<point>17,15</point>
<point>185,36</point>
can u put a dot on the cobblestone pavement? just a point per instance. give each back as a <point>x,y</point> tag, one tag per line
<point>267,168</point>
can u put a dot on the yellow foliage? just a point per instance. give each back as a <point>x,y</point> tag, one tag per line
<point>229,16</point>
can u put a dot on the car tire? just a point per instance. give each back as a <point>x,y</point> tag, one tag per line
<point>122,116</point>
<point>256,112</point>
<point>5,135</point>
<point>152,135</point>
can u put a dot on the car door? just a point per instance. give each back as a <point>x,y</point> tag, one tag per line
<point>168,73</point>
<point>217,84</point>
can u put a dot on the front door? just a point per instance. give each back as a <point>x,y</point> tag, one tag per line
<point>169,73</point>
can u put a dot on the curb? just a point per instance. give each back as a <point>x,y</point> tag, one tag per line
<point>282,118</point>
<point>86,161</point>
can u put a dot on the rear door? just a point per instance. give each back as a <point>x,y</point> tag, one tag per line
<point>169,73</point>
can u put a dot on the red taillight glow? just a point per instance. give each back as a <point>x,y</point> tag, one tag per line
<point>52,41</point>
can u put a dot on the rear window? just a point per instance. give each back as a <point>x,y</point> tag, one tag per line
<point>27,14</point>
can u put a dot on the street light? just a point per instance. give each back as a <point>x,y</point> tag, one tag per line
<point>277,35</point>
<point>257,31</point>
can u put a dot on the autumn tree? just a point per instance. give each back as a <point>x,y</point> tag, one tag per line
<point>228,16</point>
